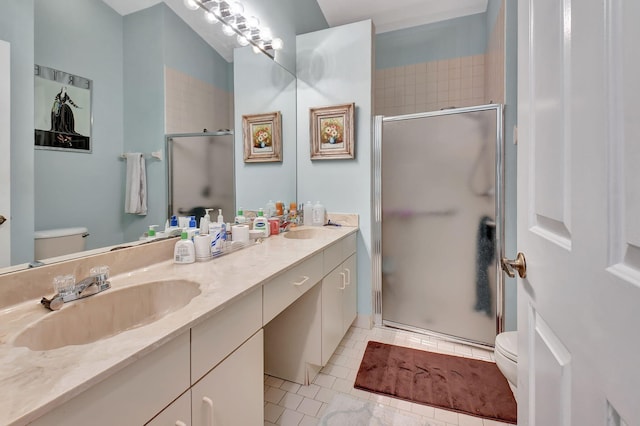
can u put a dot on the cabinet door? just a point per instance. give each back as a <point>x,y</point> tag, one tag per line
<point>232,394</point>
<point>333,287</point>
<point>176,414</point>
<point>349,300</point>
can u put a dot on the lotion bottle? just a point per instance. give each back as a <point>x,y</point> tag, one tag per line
<point>184,251</point>
<point>307,214</point>
<point>260,223</point>
<point>240,219</point>
<point>318,214</point>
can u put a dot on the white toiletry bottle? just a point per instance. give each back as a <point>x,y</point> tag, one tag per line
<point>193,228</point>
<point>216,232</point>
<point>184,251</point>
<point>240,219</point>
<point>220,221</point>
<point>270,211</point>
<point>307,214</point>
<point>204,222</point>
<point>318,214</point>
<point>260,223</point>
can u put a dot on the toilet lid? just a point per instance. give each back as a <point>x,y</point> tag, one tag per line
<point>507,344</point>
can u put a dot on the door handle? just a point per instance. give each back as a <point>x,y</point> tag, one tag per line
<point>2,219</point>
<point>511,266</point>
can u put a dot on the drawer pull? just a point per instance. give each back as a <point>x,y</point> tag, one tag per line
<point>304,280</point>
<point>344,281</point>
<point>180,423</point>
<point>209,402</point>
<point>348,271</point>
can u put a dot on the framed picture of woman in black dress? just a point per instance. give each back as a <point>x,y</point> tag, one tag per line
<point>62,110</point>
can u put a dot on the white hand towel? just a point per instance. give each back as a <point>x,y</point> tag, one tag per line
<point>136,192</point>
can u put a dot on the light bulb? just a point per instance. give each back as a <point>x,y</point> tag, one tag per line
<point>242,40</point>
<point>210,17</point>
<point>191,4</point>
<point>236,8</point>
<point>253,22</point>
<point>227,30</point>
<point>277,43</point>
<point>265,34</point>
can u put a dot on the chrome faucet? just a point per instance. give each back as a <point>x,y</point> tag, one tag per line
<point>68,290</point>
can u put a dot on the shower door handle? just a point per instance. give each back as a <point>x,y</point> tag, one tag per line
<point>511,266</point>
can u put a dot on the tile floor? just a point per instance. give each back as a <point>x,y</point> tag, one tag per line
<point>288,404</point>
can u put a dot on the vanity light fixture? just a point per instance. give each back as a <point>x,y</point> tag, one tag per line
<point>231,16</point>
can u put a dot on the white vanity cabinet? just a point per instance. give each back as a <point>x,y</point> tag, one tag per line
<point>302,338</point>
<point>131,396</point>
<point>176,414</point>
<point>233,392</point>
<point>338,305</point>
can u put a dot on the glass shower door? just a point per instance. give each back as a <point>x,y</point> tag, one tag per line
<point>438,223</point>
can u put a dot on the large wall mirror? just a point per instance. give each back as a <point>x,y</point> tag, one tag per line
<point>152,74</point>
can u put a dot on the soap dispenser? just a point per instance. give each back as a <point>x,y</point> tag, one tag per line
<point>204,222</point>
<point>240,219</point>
<point>184,251</point>
<point>193,228</point>
<point>223,226</point>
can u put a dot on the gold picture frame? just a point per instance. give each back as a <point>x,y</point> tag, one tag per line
<point>262,136</point>
<point>332,134</point>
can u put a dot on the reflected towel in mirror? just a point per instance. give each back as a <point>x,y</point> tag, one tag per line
<point>136,185</point>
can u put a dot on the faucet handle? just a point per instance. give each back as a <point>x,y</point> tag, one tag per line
<point>100,272</point>
<point>64,283</point>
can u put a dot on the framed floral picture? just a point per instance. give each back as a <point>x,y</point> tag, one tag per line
<point>332,132</point>
<point>262,134</point>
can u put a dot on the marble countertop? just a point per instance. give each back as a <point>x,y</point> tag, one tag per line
<point>34,382</point>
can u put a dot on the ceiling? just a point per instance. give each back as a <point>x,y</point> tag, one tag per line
<point>386,15</point>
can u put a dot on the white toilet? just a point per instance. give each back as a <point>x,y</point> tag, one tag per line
<point>58,242</point>
<point>506,354</point>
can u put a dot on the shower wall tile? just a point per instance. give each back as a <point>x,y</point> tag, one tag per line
<point>430,86</point>
<point>192,105</point>
<point>495,61</point>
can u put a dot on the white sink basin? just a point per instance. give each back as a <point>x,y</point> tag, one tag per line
<point>106,314</point>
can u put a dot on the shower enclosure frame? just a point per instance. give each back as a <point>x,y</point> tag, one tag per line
<point>376,272</point>
<point>168,144</point>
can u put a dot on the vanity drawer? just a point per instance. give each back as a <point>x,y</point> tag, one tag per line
<point>338,252</point>
<point>213,340</point>
<point>284,289</point>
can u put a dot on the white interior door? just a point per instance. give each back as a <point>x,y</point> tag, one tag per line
<point>579,212</point>
<point>5,157</point>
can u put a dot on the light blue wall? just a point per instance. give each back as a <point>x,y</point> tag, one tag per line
<point>83,37</point>
<point>143,111</point>
<point>16,27</point>
<point>335,66</point>
<point>263,86</point>
<point>448,39</point>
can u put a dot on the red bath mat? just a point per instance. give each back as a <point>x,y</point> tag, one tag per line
<point>454,383</point>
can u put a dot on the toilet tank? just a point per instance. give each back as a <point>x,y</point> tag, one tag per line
<point>58,242</point>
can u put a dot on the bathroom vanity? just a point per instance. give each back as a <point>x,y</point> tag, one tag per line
<point>281,306</point>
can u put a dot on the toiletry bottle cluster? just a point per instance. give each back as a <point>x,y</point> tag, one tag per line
<point>199,243</point>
